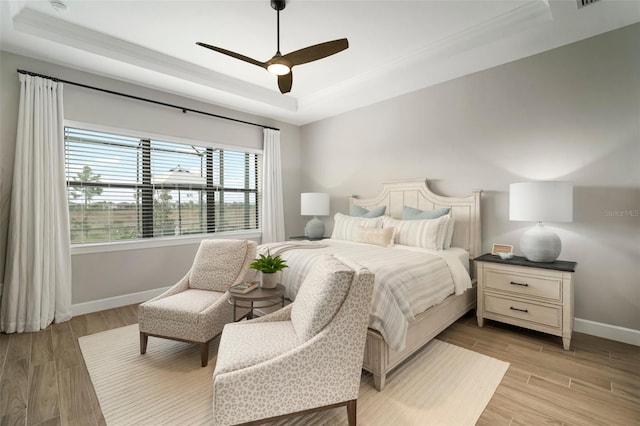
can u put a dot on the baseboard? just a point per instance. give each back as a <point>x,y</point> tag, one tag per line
<point>115,302</point>
<point>607,331</point>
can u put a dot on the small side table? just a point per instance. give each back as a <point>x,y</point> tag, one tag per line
<point>273,296</point>
<point>303,238</point>
<point>538,296</point>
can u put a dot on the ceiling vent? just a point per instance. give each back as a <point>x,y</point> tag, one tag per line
<point>583,3</point>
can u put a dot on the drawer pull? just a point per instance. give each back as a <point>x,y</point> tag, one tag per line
<point>519,310</point>
<point>522,284</point>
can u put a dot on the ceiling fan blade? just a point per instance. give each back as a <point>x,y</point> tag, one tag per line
<point>233,55</point>
<point>318,51</point>
<point>285,82</point>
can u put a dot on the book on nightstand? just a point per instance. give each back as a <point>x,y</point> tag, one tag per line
<point>244,287</point>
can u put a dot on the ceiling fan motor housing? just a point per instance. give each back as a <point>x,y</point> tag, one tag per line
<point>278,4</point>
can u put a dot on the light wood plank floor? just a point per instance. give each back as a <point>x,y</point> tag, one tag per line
<point>43,379</point>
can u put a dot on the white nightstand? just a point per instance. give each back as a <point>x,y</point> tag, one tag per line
<point>538,296</point>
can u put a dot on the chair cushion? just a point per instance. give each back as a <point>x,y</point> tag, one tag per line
<point>185,306</point>
<point>218,264</point>
<point>320,296</point>
<point>245,344</point>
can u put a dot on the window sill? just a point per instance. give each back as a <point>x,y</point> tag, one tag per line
<point>160,242</point>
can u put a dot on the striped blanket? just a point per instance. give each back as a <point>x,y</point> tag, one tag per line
<point>407,280</point>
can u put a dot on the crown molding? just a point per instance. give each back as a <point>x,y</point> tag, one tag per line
<point>46,27</point>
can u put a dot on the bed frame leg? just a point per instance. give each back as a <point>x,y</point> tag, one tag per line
<point>378,381</point>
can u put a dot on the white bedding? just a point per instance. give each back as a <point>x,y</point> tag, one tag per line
<point>408,280</point>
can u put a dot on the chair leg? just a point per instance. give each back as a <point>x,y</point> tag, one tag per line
<point>352,410</point>
<point>144,338</point>
<point>204,353</point>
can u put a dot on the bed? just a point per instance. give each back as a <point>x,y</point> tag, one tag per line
<point>452,292</point>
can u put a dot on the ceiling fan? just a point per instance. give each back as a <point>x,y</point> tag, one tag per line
<point>280,64</point>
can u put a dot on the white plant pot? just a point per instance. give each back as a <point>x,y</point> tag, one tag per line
<point>269,280</point>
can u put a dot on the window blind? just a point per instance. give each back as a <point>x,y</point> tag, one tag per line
<point>122,187</point>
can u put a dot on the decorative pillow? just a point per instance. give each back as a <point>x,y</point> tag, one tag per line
<point>449,236</point>
<point>357,211</point>
<point>428,233</point>
<point>320,296</point>
<point>219,264</point>
<point>410,213</point>
<point>378,236</point>
<point>346,227</point>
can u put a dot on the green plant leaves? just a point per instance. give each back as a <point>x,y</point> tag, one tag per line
<point>268,264</point>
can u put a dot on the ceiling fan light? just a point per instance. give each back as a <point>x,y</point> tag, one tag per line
<point>278,69</point>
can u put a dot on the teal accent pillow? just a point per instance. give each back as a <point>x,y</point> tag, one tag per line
<point>358,211</point>
<point>410,213</point>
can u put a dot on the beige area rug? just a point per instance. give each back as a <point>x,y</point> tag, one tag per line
<point>442,385</point>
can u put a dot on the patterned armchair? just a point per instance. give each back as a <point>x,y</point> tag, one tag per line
<point>303,358</point>
<point>196,309</point>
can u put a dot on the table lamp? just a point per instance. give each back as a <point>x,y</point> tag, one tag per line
<point>314,204</point>
<point>542,201</point>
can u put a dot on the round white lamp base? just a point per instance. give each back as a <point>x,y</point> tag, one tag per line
<point>314,228</point>
<point>540,244</point>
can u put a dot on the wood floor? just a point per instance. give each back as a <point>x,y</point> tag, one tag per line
<point>43,379</point>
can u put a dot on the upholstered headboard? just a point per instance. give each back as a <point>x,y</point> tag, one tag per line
<point>416,193</point>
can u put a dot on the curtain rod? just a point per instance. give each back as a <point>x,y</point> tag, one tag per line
<point>111,92</point>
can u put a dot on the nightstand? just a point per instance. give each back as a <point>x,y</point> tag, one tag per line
<point>538,296</point>
<point>303,238</point>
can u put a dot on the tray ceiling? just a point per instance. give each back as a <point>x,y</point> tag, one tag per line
<point>396,47</point>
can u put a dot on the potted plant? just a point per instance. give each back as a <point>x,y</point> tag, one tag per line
<point>269,265</point>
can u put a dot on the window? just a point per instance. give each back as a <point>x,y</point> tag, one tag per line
<point>125,188</point>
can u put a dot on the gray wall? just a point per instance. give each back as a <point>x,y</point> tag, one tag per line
<point>102,275</point>
<point>571,113</point>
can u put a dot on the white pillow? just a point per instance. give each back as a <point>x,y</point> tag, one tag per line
<point>380,237</point>
<point>449,236</point>
<point>427,233</point>
<point>346,227</point>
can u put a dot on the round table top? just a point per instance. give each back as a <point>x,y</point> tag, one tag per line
<point>260,293</point>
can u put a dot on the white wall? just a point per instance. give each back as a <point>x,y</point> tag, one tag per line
<point>571,113</point>
<point>111,274</point>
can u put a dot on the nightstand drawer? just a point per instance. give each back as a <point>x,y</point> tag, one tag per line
<point>550,316</point>
<point>547,287</point>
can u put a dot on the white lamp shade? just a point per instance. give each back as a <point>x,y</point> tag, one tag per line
<point>314,204</point>
<point>546,201</point>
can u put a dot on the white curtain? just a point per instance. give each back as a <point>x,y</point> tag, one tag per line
<point>37,280</point>
<point>272,206</point>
